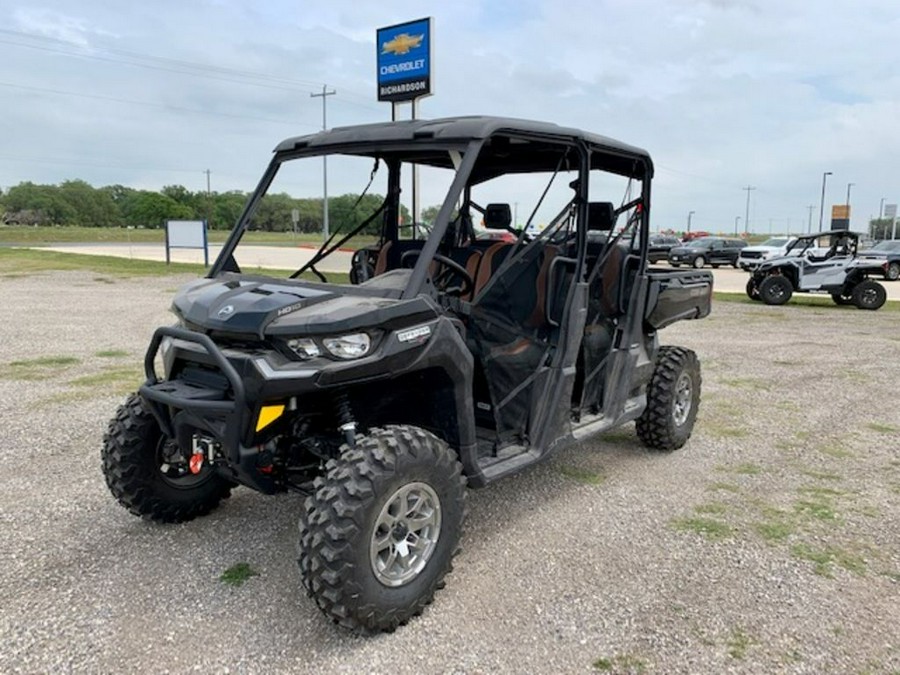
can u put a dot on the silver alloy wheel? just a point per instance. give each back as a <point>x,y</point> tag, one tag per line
<point>405,535</point>
<point>681,407</point>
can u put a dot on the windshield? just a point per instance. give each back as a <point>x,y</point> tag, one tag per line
<point>289,231</point>
<point>699,243</point>
<point>887,246</point>
<point>775,243</point>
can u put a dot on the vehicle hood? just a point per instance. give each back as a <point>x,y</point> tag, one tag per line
<point>259,307</point>
<point>759,248</point>
<point>687,250</point>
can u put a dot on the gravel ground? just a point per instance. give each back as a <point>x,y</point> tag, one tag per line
<point>770,543</point>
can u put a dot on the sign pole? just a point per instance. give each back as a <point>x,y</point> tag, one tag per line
<point>415,185</point>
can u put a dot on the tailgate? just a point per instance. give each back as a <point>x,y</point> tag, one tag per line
<point>673,295</point>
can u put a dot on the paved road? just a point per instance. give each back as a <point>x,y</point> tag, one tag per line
<point>728,280</point>
<point>278,257</point>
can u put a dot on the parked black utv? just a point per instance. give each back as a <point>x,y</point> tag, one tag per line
<point>448,362</point>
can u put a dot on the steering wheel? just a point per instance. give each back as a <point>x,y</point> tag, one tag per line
<point>454,269</point>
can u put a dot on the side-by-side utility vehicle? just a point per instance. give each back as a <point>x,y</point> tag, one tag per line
<point>447,361</point>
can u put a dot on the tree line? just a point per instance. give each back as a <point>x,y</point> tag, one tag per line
<point>77,203</point>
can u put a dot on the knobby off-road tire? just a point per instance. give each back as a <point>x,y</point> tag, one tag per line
<point>673,398</point>
<point>775,290</point>
<point>841,299</point>
<point>893,271</point>
<point>869,294</point>
<point>134,460</point>
<point>379,533</point>
<point>752,290</point>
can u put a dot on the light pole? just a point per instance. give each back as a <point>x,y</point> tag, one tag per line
<point>809,224</point>
<point>691,213</point>
<point>822,201</point>
<point>881,208</point>
<point>737,219</point>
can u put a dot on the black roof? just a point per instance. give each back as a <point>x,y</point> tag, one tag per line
<point>619,157</point>
<point>825,233</point>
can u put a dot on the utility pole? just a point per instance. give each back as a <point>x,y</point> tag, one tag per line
<point>737,219</point>
<point>822,201</point>
<point>809,224</point>
<point>749,188</point>
<point>208,202</point>
<point>881,208</point>
<point>689,222</point>
<point>849,185</point>
<point>325,94</point>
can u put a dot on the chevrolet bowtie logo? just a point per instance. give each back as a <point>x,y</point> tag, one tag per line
<point>402,44</point>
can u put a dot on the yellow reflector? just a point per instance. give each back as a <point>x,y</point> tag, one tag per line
<point>268,414</point>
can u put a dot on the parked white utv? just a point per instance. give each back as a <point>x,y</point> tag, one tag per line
<point>824,262</point>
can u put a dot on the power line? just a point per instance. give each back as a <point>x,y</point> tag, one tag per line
<point>165,64</point>
<point>164,106</point>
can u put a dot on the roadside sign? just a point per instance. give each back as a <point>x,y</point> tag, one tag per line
<point>890,210</point>
<point>404,60</point>
<point>295,216</point>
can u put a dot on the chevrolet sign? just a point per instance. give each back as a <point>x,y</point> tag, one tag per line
<point>404,60</point>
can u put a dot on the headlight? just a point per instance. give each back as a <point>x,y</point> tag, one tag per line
<point>351,346</point>
<point>304,348</point>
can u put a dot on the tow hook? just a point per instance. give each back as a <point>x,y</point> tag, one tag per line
<point>196,463</point>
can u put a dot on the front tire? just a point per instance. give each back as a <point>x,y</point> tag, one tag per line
<point>147,473</point>
<point>841,299</point>
<point>868,294</point>
<point>699,262</point>
<point>893,272</point>
<point>379,534</point>
<point>775,290</point>
<point>673,398</point>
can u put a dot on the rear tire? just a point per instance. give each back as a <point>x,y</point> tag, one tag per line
<point>868,294</point>
<point>775,290</point>
<point>673,397</point>
<point>752,290</point>
<point>146,474</point>
<point>380,531</point>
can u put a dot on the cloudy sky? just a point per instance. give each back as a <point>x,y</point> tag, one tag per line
<point>723,93</point>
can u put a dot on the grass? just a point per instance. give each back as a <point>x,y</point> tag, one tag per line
<point>111,353</point>
<point>115,380</point>
<point>36,369</point>
<point>26,261</point>
<point>623,663</point>
<point>774,531</point>
<point>238,574</point>
<point>708,527</point>
<point>46,362</point>
<point>712,508</point>
<point>123,235</point>
<point>825,559</point>
<point>818,509</point>
<point>820,475</point>
<point>802,301</point>
<point>738,642</point>
<point>724,487</point>
<point>834,451</point>
<point>581,475</point>
<point>882,428</point>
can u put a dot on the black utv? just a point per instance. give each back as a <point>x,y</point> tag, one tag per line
<point>448,361</point>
